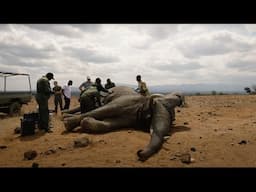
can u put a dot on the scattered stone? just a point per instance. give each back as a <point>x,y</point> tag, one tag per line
<point>103,141</point>
<point>198,115</point>
<point>81,142</point>
<point>62,148</point>
<point>215,130</point>
<point>209,113</point>
<point>242,142</point>
<point>193,149</point>
<point>232,144</point>
<point>185,123</point>
<point>254,122</point>
<point>118,161</point>
<point>50,151</point>
<point>230,129</point>
<point>129,131</point>
<point>178,143</point>
<point>17,130</point>
<point>166,137</point>
<point>35,165</point>
<point>178,111</point>
<point>200,137</point>
<point>63,164</point>
<point>29,155</point>
<point>199,119</point>
<point>3,146</point>
<point>175,156</point>
<point>185,158</point>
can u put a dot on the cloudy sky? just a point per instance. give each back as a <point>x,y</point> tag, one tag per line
<point>161,53</point>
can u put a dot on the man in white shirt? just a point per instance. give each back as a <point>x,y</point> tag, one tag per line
<point>67,94</point>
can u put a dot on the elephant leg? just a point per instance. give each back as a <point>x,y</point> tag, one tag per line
<point>67,115</point>
<point>160,127</point>
<point>71,111</point>
<point>72,122</point>
<point>91,125</point>
<point>107,111</point>
<point>99,113</point>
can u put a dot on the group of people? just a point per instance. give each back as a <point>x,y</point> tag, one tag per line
<point>89,96</point>
<point>43,93</point>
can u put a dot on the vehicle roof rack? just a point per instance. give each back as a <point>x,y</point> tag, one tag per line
<point>6,74</point>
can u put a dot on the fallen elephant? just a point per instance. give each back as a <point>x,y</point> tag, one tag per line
<point>126,109</point>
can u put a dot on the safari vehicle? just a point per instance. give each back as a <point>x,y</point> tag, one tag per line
<point>11,100</point>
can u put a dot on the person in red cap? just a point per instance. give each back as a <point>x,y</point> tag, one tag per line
<point>43,93</point>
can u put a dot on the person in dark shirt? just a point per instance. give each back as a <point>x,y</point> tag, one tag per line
<point>57,90</point>
<point>109,84</point>
<point>43,93</point>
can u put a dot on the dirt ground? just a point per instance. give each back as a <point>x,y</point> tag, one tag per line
<point>217,131</point>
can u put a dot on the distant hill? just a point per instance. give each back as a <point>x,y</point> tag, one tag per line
<point>187,88</point>
<point>199,88</point>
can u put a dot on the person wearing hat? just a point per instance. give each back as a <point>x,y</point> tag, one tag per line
<point>43,93</point>
<point>85,85</point>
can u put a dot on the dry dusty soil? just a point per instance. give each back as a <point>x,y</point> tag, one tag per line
<point>217,131</point>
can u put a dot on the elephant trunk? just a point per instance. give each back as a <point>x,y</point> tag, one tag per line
<point>161,126</point>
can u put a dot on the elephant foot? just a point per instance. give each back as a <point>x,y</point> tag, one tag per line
<point>86,125</point>
<point>91,125</point>
<point>71,123</point>
<point>67,126</point>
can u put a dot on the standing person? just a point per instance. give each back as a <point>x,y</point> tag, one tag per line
<point>109,84</point>
<point>142,87</point>
<point>85,85</point>
<point>43,93</point>
<point>67,94</point>
<point>57,90</point>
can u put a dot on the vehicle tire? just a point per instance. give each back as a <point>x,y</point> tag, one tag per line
<point>14,108</point>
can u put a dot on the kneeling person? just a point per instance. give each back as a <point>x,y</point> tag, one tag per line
<point>89,98</point>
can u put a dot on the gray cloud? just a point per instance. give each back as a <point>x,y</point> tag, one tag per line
<point>12,60</point>
<point>25,51</point>
<point>157,31</point>
<point>57,29</point>
<point>91,28</point>
<point>178,67</point>
<point>243,65</point>
<point>69,30</point>
<point>217,44</point>
<point>87,55</point>
<point>4,27</point>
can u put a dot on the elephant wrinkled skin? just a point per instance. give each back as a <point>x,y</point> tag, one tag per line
<point>124,108</point>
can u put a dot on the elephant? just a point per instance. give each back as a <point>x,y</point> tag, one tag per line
<point>125,108</point>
